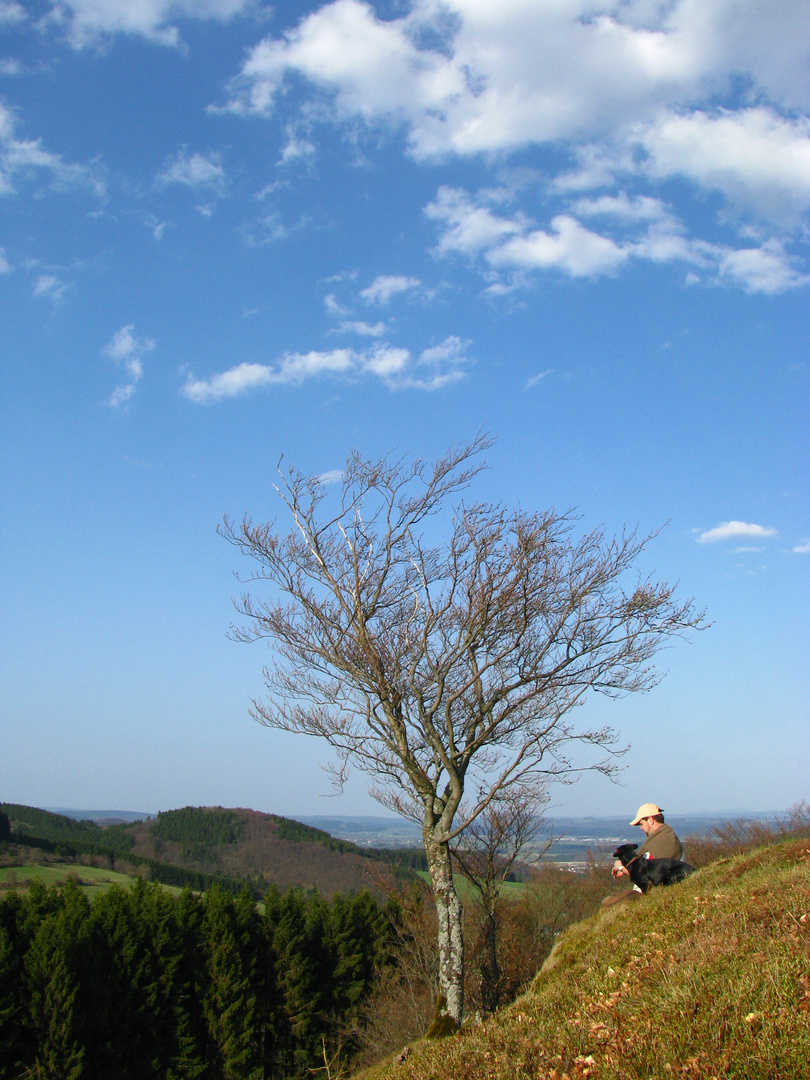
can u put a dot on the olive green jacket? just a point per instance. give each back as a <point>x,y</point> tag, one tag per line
<point>662,844</point>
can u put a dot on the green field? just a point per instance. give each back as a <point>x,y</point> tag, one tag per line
<point>510,890</point>
<point>91,879</point>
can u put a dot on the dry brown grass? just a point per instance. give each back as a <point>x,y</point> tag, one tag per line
<point>728,838</point>
<point>709,979</point>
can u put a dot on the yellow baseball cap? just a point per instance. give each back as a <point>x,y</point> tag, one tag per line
<point>648,809</point>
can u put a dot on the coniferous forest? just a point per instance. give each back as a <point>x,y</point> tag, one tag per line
<point>238,979</point>
<point>142,984</point>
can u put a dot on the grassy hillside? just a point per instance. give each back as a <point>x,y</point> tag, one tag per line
<point>710,978</point>
<point>92,880</point>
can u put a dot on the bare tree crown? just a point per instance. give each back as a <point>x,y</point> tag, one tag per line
<point>445,669</point>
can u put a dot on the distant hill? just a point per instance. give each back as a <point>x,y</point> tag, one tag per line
<point>199,845</point>
<point>101,817</point>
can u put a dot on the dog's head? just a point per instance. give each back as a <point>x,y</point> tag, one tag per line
<point>625,853</point>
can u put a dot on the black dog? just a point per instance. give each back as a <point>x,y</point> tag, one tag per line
<point>647,872</point>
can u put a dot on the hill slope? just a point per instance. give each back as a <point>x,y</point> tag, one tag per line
<point>208,843</point>
<point>710,978</point>
<point>248,844</point>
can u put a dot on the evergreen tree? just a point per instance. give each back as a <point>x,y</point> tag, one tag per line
<point>358,928</point>
<point>191,1037</point>
<point>52,967</point>
<point>12,1013</point>
<point>232,1006</point>
<point>296,973</point>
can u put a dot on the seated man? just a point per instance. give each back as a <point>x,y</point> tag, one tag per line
<point>661,843</point>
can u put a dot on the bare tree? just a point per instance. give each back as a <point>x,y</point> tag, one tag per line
<point>511,827</point>
<point>449,671</point>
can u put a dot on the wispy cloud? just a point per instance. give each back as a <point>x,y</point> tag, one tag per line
<point>635,228</point>
<point>331,476</point>
<point>334,307</point>
<point>95,22</point>
<point>271,228</point>
<point>11,12</point>
<point>385,286</point>
<point>392,365</point>
<point>803,548</point>
<point>363,329</point>
<point>127,352</point>
<point>49,287</point>
<point>156,227</point>
<point>535,379</point>
<point>767,269</point>
<point>24,158</point>
<point>197,171</point>
<point>730,530</point>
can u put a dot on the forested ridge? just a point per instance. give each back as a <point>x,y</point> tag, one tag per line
<point>141,984</point>
<point>200,846</point>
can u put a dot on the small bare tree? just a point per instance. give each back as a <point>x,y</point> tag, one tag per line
<point>448,671</point>
<point>509,828</point>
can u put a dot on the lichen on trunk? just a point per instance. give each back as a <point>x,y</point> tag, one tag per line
<point>449,915</point>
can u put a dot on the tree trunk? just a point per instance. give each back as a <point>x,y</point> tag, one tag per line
<point>490,971</point>
<point>451,939</point>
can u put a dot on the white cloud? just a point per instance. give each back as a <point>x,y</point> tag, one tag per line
<point>381,290</point>
<point>127,352</point>
<point>645,229</point>
<point>385,286</point>
<point>535,379</point>
<point>331,476</point>
<point>5,266</point>
<point>731,529</point>
<point>467,226</point>
<point>803,548</point>
<point>21,158</point>
<point>393,366</point>
<point>386,361</point>
<point>271,228</point>
<point>755,157</point>
<point>470,228</point>
<point>11,13</point>
<point>467,76</point>
<point>569,247</point>
<point>623,90</point>
<point>194,171</point>
<point>623,207</point>
<point>91,22</point>
<point>237,380</point>
<point>334,307</point>
<point>363,329</point>
<point>766,269</point>
<point>452,349</point>
<point>296,148</point>
<point>155,226</point>
<point>596,167</point>
<point>49,287</point>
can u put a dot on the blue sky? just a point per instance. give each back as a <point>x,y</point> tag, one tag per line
<point>231,231</point>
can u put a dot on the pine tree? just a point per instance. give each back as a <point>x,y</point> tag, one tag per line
<point>189,1061</point>
<point>233,962</point>
<point>52,967</point>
